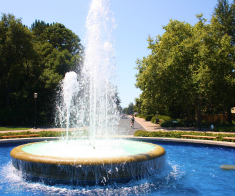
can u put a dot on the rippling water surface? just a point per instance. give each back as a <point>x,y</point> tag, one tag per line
<point>192,170</point>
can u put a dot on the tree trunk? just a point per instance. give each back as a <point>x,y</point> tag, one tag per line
<point>198,113</point>
<point>8,95</point>
<point>223,116</point>
<point>229,115</point>
<point>189,115</point>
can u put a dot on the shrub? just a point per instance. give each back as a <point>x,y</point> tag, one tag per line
<point>140,133</point>
<point>163,117</point>
<point>155,134</point>
<point>166,123</point>
<point>140,116</point>
<point>50,133</point>
<point>148,117</point>
<point>153,120</point>
<point>177,134</point>
<point>224,128</point>
<point>169,123</point>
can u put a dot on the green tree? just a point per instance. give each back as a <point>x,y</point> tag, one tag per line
<point>163,75</point>
<point>226,16</point>
<point>225,13</point>
<point>137,106</point>
<point>188,66</point>
<point>38,27</point>
<point>60,51</point>
<point>17,57</point>
<point>18,64</point>
<point>33,60</point>
<point>129,109</point>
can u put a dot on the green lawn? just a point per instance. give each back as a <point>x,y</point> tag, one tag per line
<point>13,128</point>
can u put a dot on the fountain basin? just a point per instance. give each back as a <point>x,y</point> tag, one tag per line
<point>86,164</point>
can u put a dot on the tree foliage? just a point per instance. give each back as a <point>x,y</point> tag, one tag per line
<point>129,109</point>
<point>190,70</point>
<point>33,60</point>
<point>225,13</point>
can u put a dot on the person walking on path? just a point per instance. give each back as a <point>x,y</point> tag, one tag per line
<point>132,121</point>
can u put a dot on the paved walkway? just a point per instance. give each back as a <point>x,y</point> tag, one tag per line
<point>147,125</point>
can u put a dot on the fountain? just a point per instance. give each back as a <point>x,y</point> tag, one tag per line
<point>89,103</point>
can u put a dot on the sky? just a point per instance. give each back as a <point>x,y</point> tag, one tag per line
<point>135,20</point>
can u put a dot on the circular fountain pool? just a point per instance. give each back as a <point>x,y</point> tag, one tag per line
<point>191,169</point>
<point>79,162</point>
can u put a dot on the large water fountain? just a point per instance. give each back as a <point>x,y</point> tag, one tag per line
<point>88,103</point>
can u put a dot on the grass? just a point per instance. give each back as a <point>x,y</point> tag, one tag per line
<point>13,128</point>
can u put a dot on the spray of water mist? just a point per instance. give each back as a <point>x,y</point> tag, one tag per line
<point>92,100</point>
<point>69,90</point>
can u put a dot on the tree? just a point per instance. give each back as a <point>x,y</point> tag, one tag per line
<point>188,66</point>
<point>17,54</point>
<point>225,13</point>
<point>38,27</point>
<point>163,74</point>
<point>129,109</point>
<point>60,51</point>
<point>137,106</point>
<point>33,60</point>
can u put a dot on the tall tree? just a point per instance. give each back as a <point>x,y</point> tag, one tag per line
<point>38,27</point>
<point>225,13</point>
<point>129,109</point>
<point>226,16</point>
<point>17,53</point>
<point>188,66</point>
<point>33,60</point>
<point>60,51</point>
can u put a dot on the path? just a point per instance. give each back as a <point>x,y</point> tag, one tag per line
<point>124,127</point>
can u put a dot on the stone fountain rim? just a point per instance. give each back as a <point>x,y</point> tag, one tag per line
<point>19,154</point>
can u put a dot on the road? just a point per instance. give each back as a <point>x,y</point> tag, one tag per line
<point>124,127</point>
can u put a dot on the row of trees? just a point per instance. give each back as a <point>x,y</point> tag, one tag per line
<point>129,109</point>
<point>32,60</point>
<point>190,70</point>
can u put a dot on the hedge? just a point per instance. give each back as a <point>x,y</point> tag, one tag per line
<point>177,134</point>
<point>149,117</point>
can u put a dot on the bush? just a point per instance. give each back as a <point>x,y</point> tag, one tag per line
<point>169,123</point>
<point>140,116</point>
<point>164,117</point>
<point>166,123</point>
<point>50,133</point>
<point>45,133</point>
<point>140,133</point>
<point>169,134</point>
<point>148,117</point>
<point>224,128</point>
<point>177,134</point>
<point>153,120</point>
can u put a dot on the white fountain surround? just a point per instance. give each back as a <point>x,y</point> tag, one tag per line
<point>87,101</point>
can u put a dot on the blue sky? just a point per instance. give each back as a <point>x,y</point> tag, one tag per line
<point>135,19</point>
